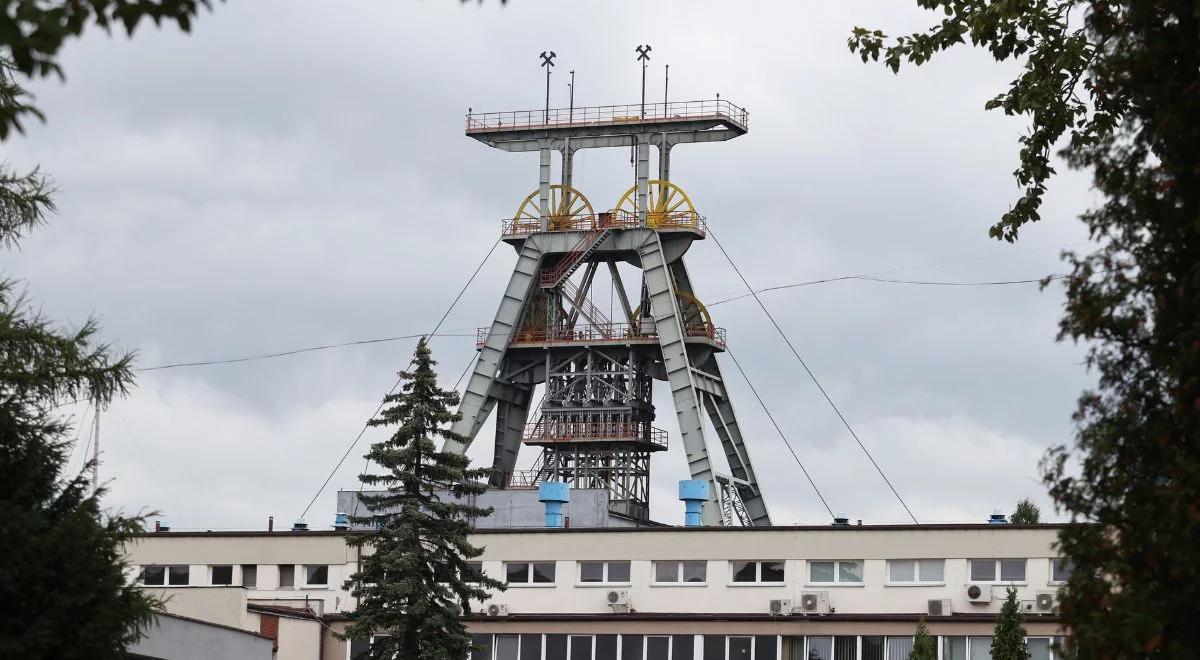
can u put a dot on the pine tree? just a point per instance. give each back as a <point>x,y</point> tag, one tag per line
<point>1008,643</point>
<point>924,644</point>
<point>1026,513</point>
<point>415,583</point>
<point>63,586</point>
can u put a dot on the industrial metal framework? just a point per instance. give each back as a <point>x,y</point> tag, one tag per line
<point>594,424</point>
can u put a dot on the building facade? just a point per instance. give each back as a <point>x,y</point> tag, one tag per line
<point>851,592</point>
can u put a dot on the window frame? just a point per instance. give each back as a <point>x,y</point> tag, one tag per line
<point>605,581</point>
<point>1054,561</point>
<point>997,574</point>
<point>679,573</point>
<point>837,573</point>
<point>315,585</point>
<point>917,581</point>
<point>529,583</point>
<point>187,573</point>
<point>212,569</point>
<point>758,565</point>
<point>279,573</point>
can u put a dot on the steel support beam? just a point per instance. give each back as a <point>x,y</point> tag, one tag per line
<point>643,176</point>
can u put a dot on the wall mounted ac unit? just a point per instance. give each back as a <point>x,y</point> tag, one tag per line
<point>814,602</point>
<point>940,607</point>
<point>1027,606</point>
<point>780,607</point>
<point>618,600</point>
<point>979,593</point>
<point>497,609</point>
<point>1046,602</point>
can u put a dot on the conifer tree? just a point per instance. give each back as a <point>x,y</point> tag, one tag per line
<point>415,583</point>
<point>924,644</point>
<point>1026,513</point>
<point>1009,641</point>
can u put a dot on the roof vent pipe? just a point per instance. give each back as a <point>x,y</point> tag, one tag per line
<point>341,522</point>
<point>300,525</point>
<point>694,494</point>
<point>841,520</point>
<point>997,518</point>
<point>554,494</point>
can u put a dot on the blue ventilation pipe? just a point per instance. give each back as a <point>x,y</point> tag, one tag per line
<point>554,494</point>
<point>694,494</point>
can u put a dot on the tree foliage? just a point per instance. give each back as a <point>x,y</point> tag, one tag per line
<point>924,644</point>
<point>33,31</point>
<point>416,581</point>
<point>1008,643</point>
<point>1026,513</point>
<point>63,586</point>
<point>1116,87</point>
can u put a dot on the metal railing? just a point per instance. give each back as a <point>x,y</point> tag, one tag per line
<point>601,332</point>
<point>616,219</point>
<point>633,113</point>
<point>553,431</point>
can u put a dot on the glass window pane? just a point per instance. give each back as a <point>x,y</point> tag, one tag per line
<point>980,648</point>
<point>178,575</point>
<point>222,575</point>
<point>506,647</point>
<point>849,571</point>
<point>820,648</point>
<point>932,570</point>
<point>954,648</point>
<point>581,647</point>
<point>1039,648</point>
<point>739,648</point>
<point>820,571</point>
<point>657,647</point>
<point>249,575</point>
<point>618,571</point>
<point>516,572</point>
<point>983,570</point>
<point>872,647</point>
<point>744,571</point>
<point>591,571</point>
<point>1012,570</point>
<point>316,574</point>
<point>154,574</point>
<point>1060,569</point>
<point>902,570</point>
<point>772,571</point>
<point>543,571</point>
<point>666,571</point>
<point>473,572</point>
<point>695,571</point>
<point>287,576</point>
<point>845,648</point>
<point>898,648</point>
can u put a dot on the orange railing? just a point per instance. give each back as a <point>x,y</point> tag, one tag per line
<point>634,113</point>
<point>550,431</point>
<point>594,333</point>
<point>616,219</point>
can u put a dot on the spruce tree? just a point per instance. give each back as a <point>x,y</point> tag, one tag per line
<point>1008,643</point>
<point>415,581</point>
<point>1026,513</point>
<point>924,644</point>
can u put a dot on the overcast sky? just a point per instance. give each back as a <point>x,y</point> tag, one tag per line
<point>295,173</point>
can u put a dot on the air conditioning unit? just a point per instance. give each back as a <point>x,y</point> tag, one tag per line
<point>1027,606</point>
<point>1046,602</point>
<point>814,602</point>
<point>618,601</point>
<point>979,593</point>
<point>939,607</point>
<point>780,607</point>
<point>497,609</point>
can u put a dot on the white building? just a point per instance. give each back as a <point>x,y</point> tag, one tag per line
<point>649,593</point>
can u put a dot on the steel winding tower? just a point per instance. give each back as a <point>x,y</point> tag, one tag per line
<point>595,417</point>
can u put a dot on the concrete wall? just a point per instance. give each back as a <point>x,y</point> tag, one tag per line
<point>182,639</point>
<point>222,605</point>
<point>520,509</point>
<point>299,639</point>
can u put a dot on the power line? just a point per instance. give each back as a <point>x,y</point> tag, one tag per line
<point>884,280</point>
<point>395,385</point>
<point>811,375</point>
<point>780,431</point>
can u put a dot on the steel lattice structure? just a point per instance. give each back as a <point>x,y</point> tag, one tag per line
<point>595,421</point>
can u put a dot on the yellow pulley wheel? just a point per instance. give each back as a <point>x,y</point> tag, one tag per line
<point>568,208</point>
<point>667,205</point>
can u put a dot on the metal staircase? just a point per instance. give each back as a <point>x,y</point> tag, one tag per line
<point>573,259</point>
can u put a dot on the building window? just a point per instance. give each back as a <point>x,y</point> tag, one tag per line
<point>287,576</point>
<point>581,647</point>
<point>872,647</point>
<point>316,575</point>
<point>916,570</point>
<point>221,575</point>
<point>604,572</point>
<point>178,576</point>
<point>750,572</point>
<point>954,647</point>
<point>529,572</point>
<point>674,572</point>
<point>1039,648</point>
<point>473,572</point>
<point>835,572</point>
<point>820,648</point>
<point>507,647</point>
<point>898,648</point>
<point>1060,570</point>
<point>979,648</point>
<point>740,648</point>
<point>154,576</point>
<point>658,647</point>
<point>249,576</point>
<point>1009,570</point>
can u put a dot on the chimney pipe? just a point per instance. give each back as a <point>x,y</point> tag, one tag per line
<point>300,525</point>
<point>157,526</point>
<point>341,522</point>
<point>694,494</point>
<point>554,494</point>
<point>841,520</point>
<point>270,523</point>
<point>997,518</point>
